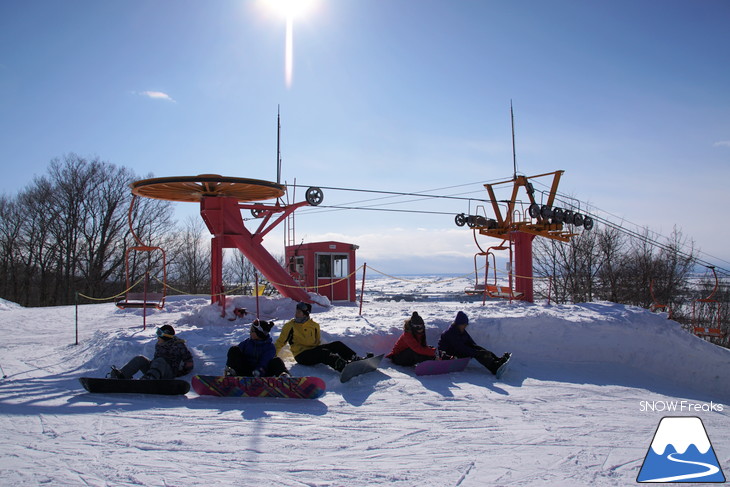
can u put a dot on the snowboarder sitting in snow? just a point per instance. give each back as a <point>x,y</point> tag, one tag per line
<point>172,359</point>
<point>411,348</point>
<point>456,341</point>
<point>256,355</point>
<point>302,335</point>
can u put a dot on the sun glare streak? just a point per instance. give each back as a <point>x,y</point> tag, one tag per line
<point>289,52</point>
<point>290,10</point>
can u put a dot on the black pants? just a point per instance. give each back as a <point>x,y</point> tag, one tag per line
<point>409,357</point>
<point>326,354</point>
<point>237,362</point>
<point>486,358</point>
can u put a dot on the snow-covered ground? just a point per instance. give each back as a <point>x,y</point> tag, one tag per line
<point>572,410</point>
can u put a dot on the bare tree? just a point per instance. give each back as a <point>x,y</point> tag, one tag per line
<point>190,261</point>
<point>38,253</point>
<point>572,266</point>
<point>11,224</point>
<point>239,271</point>
<point>611,244</point>
<point>67,232</point>
<point>104,211</point>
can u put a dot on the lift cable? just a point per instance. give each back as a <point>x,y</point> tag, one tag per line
<point>392,194</point>
<point>379,205</point>
<point>651,237</point>
<point>394,210</point>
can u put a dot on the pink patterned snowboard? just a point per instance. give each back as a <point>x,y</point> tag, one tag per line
<point>289,387</point>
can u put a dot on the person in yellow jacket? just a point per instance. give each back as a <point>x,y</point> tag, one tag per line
<point>303,336</point>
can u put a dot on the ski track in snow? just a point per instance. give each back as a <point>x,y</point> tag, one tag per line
<point>567,412</point>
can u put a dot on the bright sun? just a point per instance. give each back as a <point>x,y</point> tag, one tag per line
<point>291,9</point>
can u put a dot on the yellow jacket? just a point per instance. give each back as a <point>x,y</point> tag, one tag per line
<point>299,336</point>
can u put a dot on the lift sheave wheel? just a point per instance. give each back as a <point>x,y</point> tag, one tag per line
<point>314,196</point>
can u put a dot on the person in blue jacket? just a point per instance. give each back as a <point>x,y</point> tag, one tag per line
<point>456,341</point>
<point>256,355</point>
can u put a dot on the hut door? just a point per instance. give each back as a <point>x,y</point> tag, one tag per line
<point>332,268</point>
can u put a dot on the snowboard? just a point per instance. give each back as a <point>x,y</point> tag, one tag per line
<point>360,367</point>
<point>171,387</point>
<point>503,368</point>
<point>231,386</point>
<point>435,367</point>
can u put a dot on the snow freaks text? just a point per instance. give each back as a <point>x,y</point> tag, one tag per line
<point>679,406</point>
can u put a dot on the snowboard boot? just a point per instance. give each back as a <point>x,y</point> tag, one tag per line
<point>356,358</point>
<point>115,373</point>
<point>339,363</point>
<point>499,362</point>
<point>229,371</point>
<point>152,374</point>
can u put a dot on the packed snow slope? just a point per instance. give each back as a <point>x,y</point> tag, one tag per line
<point>572,410</point>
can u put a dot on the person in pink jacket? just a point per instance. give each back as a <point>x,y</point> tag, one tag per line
<point>411,348</point>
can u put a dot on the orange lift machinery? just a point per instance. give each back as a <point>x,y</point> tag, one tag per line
<point>713,312</point>
<point>517,227</point>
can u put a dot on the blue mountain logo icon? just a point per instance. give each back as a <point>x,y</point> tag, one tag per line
<point>681,452</point>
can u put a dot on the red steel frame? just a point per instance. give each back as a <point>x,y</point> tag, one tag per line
<point>222,215</point>
<point>712,331</point>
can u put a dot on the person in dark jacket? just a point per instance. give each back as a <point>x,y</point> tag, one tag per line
<point>256,355</point>
<point>172,359</point>
<point>411,347</point>
<point>456,341</point>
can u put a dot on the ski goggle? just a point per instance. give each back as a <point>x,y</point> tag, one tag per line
<point>163,334</point>
<point>418,326</point>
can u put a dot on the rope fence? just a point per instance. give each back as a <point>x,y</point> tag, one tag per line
<point>363,267</point>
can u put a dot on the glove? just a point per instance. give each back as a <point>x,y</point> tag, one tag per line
<point>444,356</point>
<point>256,373</point>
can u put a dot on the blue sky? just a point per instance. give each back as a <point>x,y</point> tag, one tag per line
<point>630,98</point>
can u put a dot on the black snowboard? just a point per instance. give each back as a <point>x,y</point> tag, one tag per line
<point>360,367</point>
<point>168,387</point>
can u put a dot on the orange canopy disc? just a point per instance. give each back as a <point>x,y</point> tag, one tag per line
<point>195,188</point>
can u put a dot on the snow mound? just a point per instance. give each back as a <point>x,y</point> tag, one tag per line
<point>568,412</point>
<point>6,305</point>
<point>602,335</point>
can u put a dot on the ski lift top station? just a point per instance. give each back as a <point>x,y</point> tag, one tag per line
<point>221,200</point>
<point>332,264</point>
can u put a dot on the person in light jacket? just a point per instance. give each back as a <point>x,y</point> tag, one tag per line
<point>303,336</point>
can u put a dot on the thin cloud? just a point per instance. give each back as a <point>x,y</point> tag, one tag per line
<point>157,95</point>
<point>722,143</point>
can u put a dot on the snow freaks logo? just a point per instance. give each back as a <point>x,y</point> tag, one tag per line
<point>680,452</point>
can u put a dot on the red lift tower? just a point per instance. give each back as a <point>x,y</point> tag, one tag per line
<point>221,201</point>
<point>519,228</point>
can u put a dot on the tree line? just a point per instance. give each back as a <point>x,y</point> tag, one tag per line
<point>68,231</point>
<point>606,264</point>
